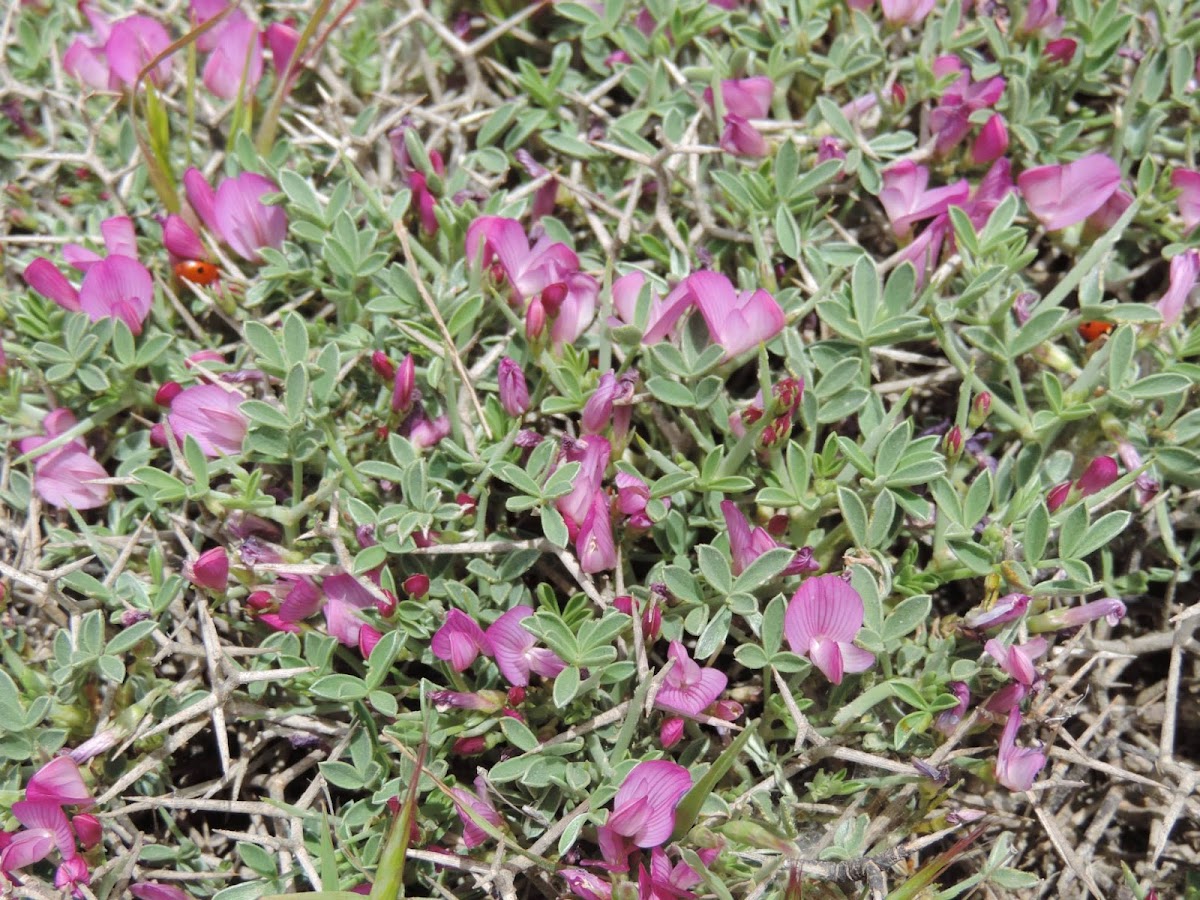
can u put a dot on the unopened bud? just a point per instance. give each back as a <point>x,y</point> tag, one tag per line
<point>168,392</point>
<point>384,367</point>
<point>416,586</point>
<point>980,407</point>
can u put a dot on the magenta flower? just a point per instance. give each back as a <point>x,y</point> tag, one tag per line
<point>1185,270</point>
<point>594,544</point>
<point>235,211</point>
<point>113,54</point>
<point>1114,207</point>
<point>747,544</point>
<point>586,885</point>
<point>87,829</point>
<point>948,720</point>
<point>736,321</point>
<point>72,873</point>
<point>1016,767</point>
<point>1017,660</point>
<point>906,12</point>
<point>906,198</point>
<point>743,99</point>
<point>670,732</point>
<point>516,654</point>
<point>514,391</point>
<point>661,322</point>
<point>687,689</point>
<point>65,477</point>
<point>1187,181</point>
<point>822,619</point>
<point>1061,195</point>
<point>592,453</point>
<point>1057,495</point>
<point>60,782</point>
<point>644,809</point>
<point>1007,609</point>
<point>345,598</point>
<point>236,61</point>
<point>460,640</point>
<point>282,39</point>
<point>1100,473</point>
<point>951,119</point>
<point>632,496</point>
<point>597,412</point>
<point>547,272</point>
<point>1041,15</point>
<point>992,141</point>
<point>662,881</point>
<point>181,240</point>
<point>210,570</point>
<point>46,827</point>
<point>1110,608</point>
<point>212,415</point>
<point>404,385</point>
<point>480,701</point>
<point>477,801</point>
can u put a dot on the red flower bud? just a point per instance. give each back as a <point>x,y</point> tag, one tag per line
<point>516,696</point>
<point>387,608</point>
<point>468,746</point>
<point>416,586</point>
<point>168,392</point>
<point>384,367</point>
<point>260,600</point>
<point>953,441</point>
<point>210,570</point>
<point>1057,496</point>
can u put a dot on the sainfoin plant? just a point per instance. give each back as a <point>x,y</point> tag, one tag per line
<point>599,449</point>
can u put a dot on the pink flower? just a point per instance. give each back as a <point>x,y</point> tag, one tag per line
<point>58,782</point>
<point>688,689</point>
<point>282,39</point>
<point>670,732</point>
<point>1061,195</point>
<point>950,120</point>
<point>625,293</point>
<point>822,619</point>
<point>117,287</point>
<point>404,385</point>
<point>1017,660</point>
<point>345,598</point>
<point>644,809</point>
<point>1187,181</point>
<point>992,142</point>
<point>747,545</point>
<point>211,415</point>
<point>736,321</point>
<point>181,240</point>
<point>516,655</point>
<point>70,874</point>
<point>481,701</point>
<point>477,801</point>
<point>460,640</point>
<point>236,61</point>
<point>1110,608</point>
<point>744,99</point>
<point>1057,495</point>
<point>1016,767</point>
<point>594,544</point>
<point>586,885</point>
<point>547,271</point>
<point>592,453</point>
<point>1185,270</point>
<point>597,412</point>
<point>662,881</point>
<point>906,12</point>
<point>235,212</point>
<point>113,54</point>
<point>1041,15</point>
<point>632,496</point>
<point>514,392</point>
<point>210,570</point>
<point>64,477</point>
<point>1114,207</point>
<point>651,615</point>
<point>948,720</point>
<point>906,199</point>
<point>1007,609</point>
<point>88,829</point>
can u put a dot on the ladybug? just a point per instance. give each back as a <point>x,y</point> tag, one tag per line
<point>1094,329</point>
<point>196,271</point>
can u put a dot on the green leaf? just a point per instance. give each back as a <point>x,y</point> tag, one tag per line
<point>689,807</point>
<point>854,514</point>
<point>130,637</point>
<point>905,618</point>
<point>763,569</point>
<point>1102,532</point>
<point>554,527</point>
<point>566,686</point>
<point>345,688</point>
<point>715,568</point>
<point>670,392</point>
<point>1037,528</point>
<point>751,656</point>
<point>1074,528</point>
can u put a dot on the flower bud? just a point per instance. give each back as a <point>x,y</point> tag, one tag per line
<point>133,616</point>
<point>514,391</point>
<point>1060,51</point>
<point>553,296</point>
<point>210,570</point>
<point>416,586</point>
<point>953,441</point>
<point>387,606</point>
<point>598,410</point>
<point>1109,608</point>
<point>980,407</point>
<point>670,732</point>
<point>405,385</point>
<point>466,502</point>
<point>468,746</point>
<point>535,319</point>
<point>1100,473</point>
<point>384,367</point>
<point>992,141</point>
<point>260,600</point>
<point>368,637</point>
<point>87,829</point>
<point>516,696</point>
<point>168,392</point>
<point>1057,496</point>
